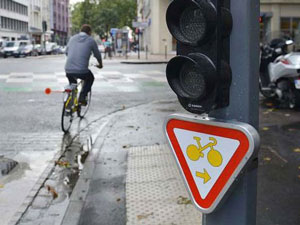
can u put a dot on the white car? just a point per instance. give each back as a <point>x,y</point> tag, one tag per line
<point>17,48</point>
<point>51,48</point>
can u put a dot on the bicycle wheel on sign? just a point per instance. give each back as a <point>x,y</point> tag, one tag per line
<point>82,109</point>
<point>66,119</point>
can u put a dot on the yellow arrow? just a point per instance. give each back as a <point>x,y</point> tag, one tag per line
<point>205,176</point>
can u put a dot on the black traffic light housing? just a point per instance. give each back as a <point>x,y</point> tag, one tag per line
<point>200,74</point>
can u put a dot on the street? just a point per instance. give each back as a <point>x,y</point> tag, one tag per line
<point>136,98</point>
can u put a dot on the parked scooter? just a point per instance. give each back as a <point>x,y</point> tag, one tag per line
<point>280,73</point>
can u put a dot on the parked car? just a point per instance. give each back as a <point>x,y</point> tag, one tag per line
<point>63,49</point>
<point>2,45</point>
<point>39,49</point>
<point>17,48</point>
<point>51,48</point>
<point>24,49</point>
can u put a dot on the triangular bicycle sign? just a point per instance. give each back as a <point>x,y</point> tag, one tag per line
<point>210,155</point>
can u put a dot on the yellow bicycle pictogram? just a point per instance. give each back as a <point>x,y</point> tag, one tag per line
<point>214,157</point>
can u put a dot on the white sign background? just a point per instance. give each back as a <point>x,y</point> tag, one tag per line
<point>227,147</point>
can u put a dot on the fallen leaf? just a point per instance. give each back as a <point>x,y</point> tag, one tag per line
<point>144,216</point>
<point>1,186</point>
<point>123,107</point>
<point>52,191</point>
<point>265,128</point>
<point>267,159</point>
<point>63,164</point>
<point>299,176</point>
<point>297,150</point>
<point>269,104</point>
<point>183,201</point>
<point>299,167</point>
<point>118,199</point>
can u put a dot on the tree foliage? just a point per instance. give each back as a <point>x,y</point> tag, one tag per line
<point>103,15</point>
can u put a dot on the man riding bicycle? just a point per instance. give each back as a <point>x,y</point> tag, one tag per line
<point>79,50</point>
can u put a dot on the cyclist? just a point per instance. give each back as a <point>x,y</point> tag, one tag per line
<point>78,51</point>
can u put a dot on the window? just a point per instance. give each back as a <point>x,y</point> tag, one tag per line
<point>290,26</point>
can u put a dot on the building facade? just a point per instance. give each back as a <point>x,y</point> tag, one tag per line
<point>14,19</point>
<point>46,19</point>
<point>277,17</point>
<point>280,17</point>
<point>35,20</point>
<point>155,36</point>
<point>59,21</point>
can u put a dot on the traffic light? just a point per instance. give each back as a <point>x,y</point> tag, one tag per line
<point>200,74</point>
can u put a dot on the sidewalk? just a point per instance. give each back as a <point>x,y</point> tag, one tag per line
<point>131,176</point>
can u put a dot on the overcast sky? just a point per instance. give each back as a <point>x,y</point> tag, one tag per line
<point>74,1</point>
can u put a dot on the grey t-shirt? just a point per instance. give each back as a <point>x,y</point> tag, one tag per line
<point>79,50</point>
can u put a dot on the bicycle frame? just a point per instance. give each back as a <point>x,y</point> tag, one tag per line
<point>72,96</point>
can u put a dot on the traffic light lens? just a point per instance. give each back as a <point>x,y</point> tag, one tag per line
<point>192,81</point>
<point>192,24</point>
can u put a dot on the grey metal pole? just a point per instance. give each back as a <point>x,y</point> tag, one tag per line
<point>240,206</point>
<point>139,45</point>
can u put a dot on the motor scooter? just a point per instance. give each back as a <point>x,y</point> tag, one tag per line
<point>280,73</point>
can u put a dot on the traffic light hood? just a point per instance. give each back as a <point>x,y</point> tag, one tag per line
<point>191,22</point>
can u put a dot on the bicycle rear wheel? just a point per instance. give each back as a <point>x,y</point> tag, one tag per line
<point>82,110</point>
<point>66,117</point>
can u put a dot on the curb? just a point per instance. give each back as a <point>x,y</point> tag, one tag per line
<point>144,62</point>
<point>80,191</point>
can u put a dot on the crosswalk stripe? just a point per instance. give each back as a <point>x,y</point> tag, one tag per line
<point>135,75</point>
<point>152,72</point>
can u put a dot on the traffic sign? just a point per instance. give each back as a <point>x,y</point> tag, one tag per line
<point>210,155</point>
<point>136,24</point>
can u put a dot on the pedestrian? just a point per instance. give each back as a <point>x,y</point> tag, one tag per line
<point>78,52</point>
<point>107,50</point>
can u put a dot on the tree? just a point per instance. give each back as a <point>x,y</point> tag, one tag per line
<point>103,15</point>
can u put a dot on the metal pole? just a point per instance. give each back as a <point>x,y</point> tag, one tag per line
<point>139,45</point>
<point>240,206</point>
<point>146,51</point>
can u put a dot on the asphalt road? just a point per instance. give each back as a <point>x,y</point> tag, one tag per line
<point>27,113</point>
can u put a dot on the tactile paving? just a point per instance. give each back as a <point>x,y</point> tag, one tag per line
<point>155,192</point>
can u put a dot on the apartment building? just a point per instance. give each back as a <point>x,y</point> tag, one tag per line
<point>277,17</point>
<point>59,21</point>
<point>14,19</point>
<point>35,20</point>
<point>46,19</point>
<point>156,36</point>
<point>280,16</point>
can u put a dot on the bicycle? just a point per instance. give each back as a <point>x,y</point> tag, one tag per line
<point>71,105</point>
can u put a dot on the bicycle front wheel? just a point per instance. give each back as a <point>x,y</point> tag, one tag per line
<point>83,109</point>
<point>66,118</point>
